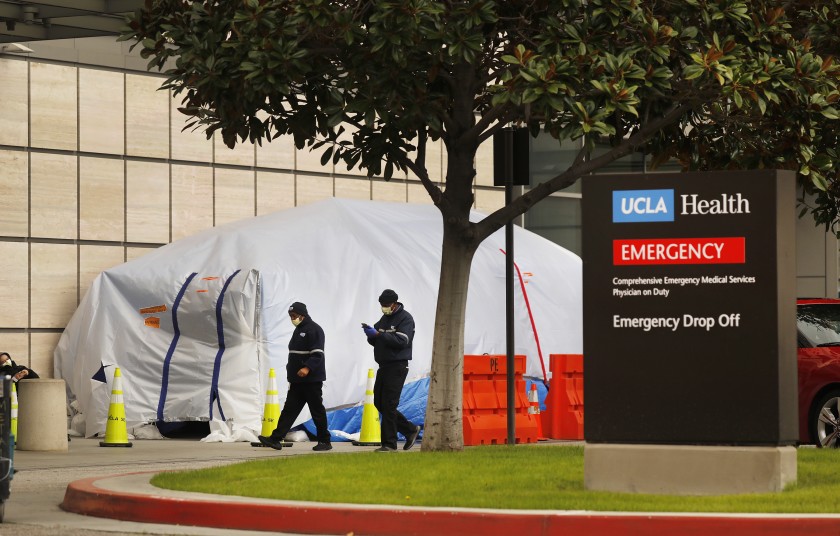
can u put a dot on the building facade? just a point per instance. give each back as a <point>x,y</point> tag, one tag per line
<point>96,170</point>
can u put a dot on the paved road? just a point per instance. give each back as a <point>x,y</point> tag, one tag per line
<point>38,487</point>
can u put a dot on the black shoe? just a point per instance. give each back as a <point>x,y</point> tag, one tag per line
<point>322,446</point>
<point>383,448</point>
<point>268,442</point>
<point>411,438</point>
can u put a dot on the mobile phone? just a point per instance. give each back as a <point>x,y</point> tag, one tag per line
<point>365,325</point>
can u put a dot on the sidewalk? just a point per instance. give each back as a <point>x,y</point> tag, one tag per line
<point>128,496</point>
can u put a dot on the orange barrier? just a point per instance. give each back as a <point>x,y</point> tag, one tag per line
<point>485,401</point>
<point>563,415</point>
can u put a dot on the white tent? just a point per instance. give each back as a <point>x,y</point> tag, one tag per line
<point>194,326</point>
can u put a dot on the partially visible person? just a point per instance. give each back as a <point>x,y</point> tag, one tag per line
<point>17,372</point>
<point>306,373</point>
<point>392,339</point>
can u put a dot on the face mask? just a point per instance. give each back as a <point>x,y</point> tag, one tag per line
<point>297,321</point>
<point>7,363</point>
<point>386,310</point>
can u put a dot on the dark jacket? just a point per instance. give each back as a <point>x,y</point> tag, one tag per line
<point>14,368</point>
<point>306,349</point>
<point>396,333</point>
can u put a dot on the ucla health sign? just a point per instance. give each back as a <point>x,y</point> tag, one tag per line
<point>689,308</point>
<point>633,206</point>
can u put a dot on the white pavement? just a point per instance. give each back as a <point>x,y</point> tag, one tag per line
<point>39,486</point>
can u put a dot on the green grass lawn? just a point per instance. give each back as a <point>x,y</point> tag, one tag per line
<point>520,477</point>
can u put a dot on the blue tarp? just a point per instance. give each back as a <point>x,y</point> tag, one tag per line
<point>412,405</point>
<point>349,420</point>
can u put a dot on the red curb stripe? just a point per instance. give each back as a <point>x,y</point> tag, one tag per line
<point>83,497</point>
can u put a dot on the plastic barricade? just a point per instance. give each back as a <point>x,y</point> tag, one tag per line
<point>485,401</point>
<point>563,416</point>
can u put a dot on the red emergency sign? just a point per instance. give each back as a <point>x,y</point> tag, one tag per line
<point>727,250</point>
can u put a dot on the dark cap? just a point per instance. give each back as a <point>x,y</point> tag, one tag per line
<point>298,308</point>
<point>388,296</point>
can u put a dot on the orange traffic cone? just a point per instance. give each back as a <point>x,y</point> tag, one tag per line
<point>116,431</point>
<point>534,409</point>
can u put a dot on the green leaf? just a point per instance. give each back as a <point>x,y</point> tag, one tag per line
<point>822,161</point>
<point>527,76</point>
<point>690,72</point>
<point>830,113</point>
<point>325,158</point>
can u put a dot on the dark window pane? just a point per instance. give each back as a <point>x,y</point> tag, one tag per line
<point>558,220</point>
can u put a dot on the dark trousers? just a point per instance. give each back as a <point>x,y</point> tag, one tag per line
<point>300,394</point>
<point>386,397</point>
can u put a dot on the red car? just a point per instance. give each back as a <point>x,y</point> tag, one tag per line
<point>818,356</point>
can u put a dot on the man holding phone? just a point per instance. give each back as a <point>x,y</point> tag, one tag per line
<point>391,338</point>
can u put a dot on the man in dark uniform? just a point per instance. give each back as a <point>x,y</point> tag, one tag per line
<point>306,373</point>
<point>391,339</point>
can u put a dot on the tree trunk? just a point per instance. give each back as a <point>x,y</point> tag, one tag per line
<point>443,429</point>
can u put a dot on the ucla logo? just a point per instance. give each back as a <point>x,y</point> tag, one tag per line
<point>630,206</point>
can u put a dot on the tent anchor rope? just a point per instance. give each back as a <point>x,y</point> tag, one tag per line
<point>531,318</point>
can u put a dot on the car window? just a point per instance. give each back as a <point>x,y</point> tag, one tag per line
<point>818,324</point>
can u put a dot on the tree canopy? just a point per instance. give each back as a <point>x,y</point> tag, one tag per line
<point>710,84</point>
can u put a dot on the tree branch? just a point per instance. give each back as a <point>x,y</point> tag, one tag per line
<point>499,218</point>
<point>495,114</point>
<point>418,167</point>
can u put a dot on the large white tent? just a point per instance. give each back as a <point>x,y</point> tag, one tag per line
<point>195,326</point>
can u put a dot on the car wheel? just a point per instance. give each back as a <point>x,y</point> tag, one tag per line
<point>825,420</point>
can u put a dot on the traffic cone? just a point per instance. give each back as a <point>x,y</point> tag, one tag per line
<point>534,409</point>
<point>271,411</point>
<point>370,434</point>
<point>14,413</point>
<point>116,431</point>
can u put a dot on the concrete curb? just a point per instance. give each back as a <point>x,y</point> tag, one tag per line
<point>107,497</point>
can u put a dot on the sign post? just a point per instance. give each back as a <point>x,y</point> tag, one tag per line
<point>689,332</point>
<point>510,166</point>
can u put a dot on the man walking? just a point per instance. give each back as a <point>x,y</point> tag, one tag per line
<point>306,373</point>
<point>391,339</point>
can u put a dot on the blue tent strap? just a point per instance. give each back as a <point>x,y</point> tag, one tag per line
<point>176,335</point>
<point>220,331</point>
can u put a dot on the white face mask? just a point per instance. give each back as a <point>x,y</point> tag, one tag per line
<point>7,363</point>
<point>296,321</point>
<point>386,310</point>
